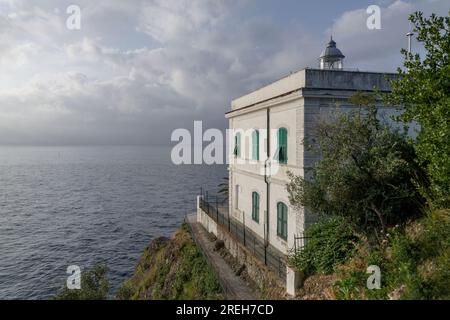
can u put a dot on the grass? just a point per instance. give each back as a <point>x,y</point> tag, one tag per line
<point>414,263</point>
<point>174,269</point>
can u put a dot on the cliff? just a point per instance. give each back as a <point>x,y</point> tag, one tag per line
<point>171,269</point>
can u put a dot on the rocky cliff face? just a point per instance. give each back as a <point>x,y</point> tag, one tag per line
<point>171,269</point>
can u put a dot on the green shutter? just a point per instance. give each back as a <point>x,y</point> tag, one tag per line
<point>237,145</point>
<point>255,206</point>
<point>282,145</point>
<point>279,219</point>
<point>282,220</point>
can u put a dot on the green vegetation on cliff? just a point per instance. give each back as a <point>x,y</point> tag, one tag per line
<point>94,285</point>
<point>172,269</point>
<point>414,263</point>
<point>376,185</point>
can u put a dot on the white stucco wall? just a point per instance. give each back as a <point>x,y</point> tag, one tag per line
<point>249,175</point>
<point>295,102</point>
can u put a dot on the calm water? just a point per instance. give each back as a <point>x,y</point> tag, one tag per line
<point>61,206</point>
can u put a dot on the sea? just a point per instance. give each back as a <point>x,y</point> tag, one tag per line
<point>64,206</point>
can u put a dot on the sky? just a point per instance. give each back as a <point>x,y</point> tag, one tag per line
<point>138,69</point>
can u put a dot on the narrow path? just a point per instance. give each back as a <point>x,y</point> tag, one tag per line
<point>235,288</point>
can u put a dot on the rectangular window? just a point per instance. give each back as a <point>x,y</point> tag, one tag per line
<point>255,207</point>
<point>237,145</point>
<point>255,145</point>
<point>282,220</point>
<point>281,152</point>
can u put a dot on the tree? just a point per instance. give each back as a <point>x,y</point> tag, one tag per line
<point>423,94</point>
<point>223,187</point>
<point>94,286</point>
<point>367,171</point>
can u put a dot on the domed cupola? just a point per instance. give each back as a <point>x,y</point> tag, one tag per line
<point>331,57</point>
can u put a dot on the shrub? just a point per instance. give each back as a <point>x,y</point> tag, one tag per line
<point>414,265</point>
<point>94,285</point>
<point>330,242</point>
<point>366,173</point>
<point>423,258</point>
<point>172,269</point>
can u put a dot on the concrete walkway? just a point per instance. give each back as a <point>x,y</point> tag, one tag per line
<point>235,288</point>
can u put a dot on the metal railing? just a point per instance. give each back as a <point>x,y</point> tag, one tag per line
<point>299,243</point>
<point>217,209</point>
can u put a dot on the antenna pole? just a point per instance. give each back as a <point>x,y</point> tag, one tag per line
<point>409,35</point>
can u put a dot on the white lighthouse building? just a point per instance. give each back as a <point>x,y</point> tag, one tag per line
<point>269,127</point>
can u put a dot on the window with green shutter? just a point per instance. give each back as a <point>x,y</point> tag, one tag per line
<point>281,152</point>
<point>255,206</point>
<point>255,145</point>
<point>282,216</point>
<point>237,145</point>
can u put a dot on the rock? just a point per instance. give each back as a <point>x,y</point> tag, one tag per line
<point>157,243</point>
<point>218,245</point>
<point>397,293</point>
<point>240,270</point>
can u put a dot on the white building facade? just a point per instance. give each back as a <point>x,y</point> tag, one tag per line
<point>268,128</point>
<point>283,112</point>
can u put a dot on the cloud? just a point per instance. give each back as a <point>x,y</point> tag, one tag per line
<point>139,69</point>
<point>379,50</point>
<point>168,21</point>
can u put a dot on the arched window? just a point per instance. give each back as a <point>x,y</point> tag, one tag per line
<point>255,145</point>
<point>237,145</point>
<point>281,153</point>
<point>282,217</point>
<point>255,206</point>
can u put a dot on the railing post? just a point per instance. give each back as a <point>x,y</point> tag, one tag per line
<point>229,224</point>
<point>295,244</point>
<point>279,266</point>
<point>243,220</point>
<point>265,246</point>
<point>217,209</point>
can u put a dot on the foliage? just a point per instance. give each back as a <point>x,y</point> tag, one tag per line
<point>413,266</point>
<point>373,175</point>
<point>330,242</point>
<point>366,172</point>
<point>94,285</point>
<point>423,92</point>
<point>224,187</point>
<point>172,270</point>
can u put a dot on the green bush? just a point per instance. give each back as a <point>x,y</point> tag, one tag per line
<point>421,259</point>
<point>366,172</point>
<point>94,285</point>
<point>329,243</point>
<point>172,269</point>
<point>414,264</point>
